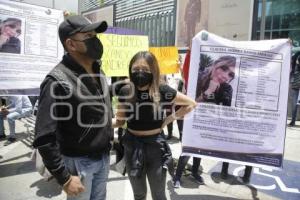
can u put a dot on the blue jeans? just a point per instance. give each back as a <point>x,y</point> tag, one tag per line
<point>295,94</point>
<point>93,174</point>
<point>11,118</point>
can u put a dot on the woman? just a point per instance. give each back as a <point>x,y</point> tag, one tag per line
<point>141,106</point>
<point>213,84</point>
<point>10,29</point>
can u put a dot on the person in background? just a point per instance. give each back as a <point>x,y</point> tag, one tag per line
<point>170,80</point>
<point>117,84</point>
<point>147,154</point>
<point>73,124</point>
<point>10,29</point>
<point>295,85</point>
<point>181,89</point>
<point>178,84</point>
<point>183,160</point>
<point>17,107</point>
<point>169,111</point>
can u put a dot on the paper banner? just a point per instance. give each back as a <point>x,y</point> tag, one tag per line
<point>167,59</point>
<point>118,51</point>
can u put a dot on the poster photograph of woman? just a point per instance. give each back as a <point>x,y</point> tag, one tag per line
<point>216,79</point>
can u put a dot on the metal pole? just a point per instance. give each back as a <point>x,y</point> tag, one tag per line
<point>263,20</point>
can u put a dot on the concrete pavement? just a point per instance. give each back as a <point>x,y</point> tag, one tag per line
<point>19,180</point>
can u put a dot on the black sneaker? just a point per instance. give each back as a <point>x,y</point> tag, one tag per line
<point>291,124</point>
<point>246,180</point>
<point>224,175</point>
<point>2,137</point>
<point>9,141</point>
<point>198,178</point>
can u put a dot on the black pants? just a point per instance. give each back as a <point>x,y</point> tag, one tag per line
<point>183,160</point>
<point>152,169</point>
<point>247,173</point>
<point>118,147</point>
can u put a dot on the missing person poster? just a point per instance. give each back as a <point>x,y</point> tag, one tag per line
<point>241,90</point>
<point>29,46</point>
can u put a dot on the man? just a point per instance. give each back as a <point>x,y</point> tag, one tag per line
<point>18,107</point>
<point>73,125</point>
<point>295,85</point>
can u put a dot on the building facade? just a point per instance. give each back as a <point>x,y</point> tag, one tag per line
<point>155,18</point>
<point>274,19</point>
<point>261,19</point>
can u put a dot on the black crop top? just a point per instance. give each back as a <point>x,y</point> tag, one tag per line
<point>142,115</point>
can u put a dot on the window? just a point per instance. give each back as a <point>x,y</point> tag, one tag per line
<point>281,19</point>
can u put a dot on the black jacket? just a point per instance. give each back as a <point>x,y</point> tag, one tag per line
<point>73,119</point>
<point>12,46</point>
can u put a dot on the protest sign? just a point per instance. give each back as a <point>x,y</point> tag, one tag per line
<point>118,51</point>
<point>168,59</point>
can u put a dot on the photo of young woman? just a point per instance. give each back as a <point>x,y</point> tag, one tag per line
<point>10,30</point>
<point>213,84</point>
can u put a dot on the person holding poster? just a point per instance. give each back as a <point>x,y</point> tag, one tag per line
<point>183,160</point>
<point>73,124</point>
<point>295,85</point>
<point>10,29</point>
<point>213,83</point>
<point>141,104</point>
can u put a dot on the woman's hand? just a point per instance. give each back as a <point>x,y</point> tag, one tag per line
<point>186,105</point>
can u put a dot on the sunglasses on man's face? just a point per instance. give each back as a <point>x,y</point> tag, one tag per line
<point>13,26</point>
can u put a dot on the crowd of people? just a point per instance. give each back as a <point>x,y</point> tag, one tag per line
<point>75,137</point>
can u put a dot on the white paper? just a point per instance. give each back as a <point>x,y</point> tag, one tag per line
<point>251,128</point>
<point>41,50</point>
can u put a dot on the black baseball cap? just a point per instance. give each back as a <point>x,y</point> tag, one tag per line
<point>79,24</point>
